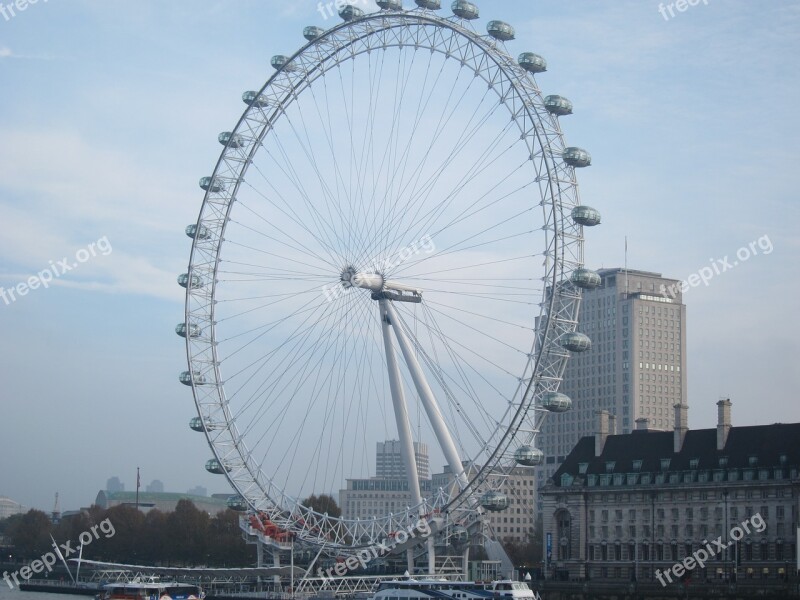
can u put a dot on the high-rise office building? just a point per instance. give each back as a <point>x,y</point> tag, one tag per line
<point>388,491</point>
<point>636,367</point>
<point>115,485</point>
<point>389,460</point>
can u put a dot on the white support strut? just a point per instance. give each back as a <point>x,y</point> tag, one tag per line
<point>401,416</point>
<point>428,400</point>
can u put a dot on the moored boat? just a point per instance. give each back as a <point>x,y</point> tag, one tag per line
<point>439,589</point>
<point>151,589</point>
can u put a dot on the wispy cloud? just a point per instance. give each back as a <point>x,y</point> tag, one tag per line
<point>6,52</point>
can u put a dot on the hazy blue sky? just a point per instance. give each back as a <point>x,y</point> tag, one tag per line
<point>109,113</point>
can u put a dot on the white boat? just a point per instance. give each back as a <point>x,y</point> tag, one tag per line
<point>438,589</point>
<point>151,589</point>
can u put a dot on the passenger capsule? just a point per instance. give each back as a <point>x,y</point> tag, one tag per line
<point>279,61</point>
<point>194,281</point>
<point>186,378</point>
<point>197,232</point>
<point>193,330</point>
<point>556,402</point>
<point>532,63</point>
<point>184,281</point>
<point>576,342</point>
<point>196,424</point>
<point>210,184</point>
<point>586,215</point>
<point>350,12</point>
<point>231,140</point>
<point>528,456</point>
<point>500,30</point>
<point>576,157</point>
<point>390,4</point>
<point>558,105</point>
<point>252,98</point>
<point>585,279</point>
<point>429,4</point>
<point>236,503</point>
<point>465,10</point>
<point>459,536</point>
<point>214,466</point>
<point>494,501</point>
<point>312,32</point>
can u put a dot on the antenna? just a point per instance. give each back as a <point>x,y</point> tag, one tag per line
<point>55,517</point>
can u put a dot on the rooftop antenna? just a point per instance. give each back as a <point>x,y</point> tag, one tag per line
<point>56,515</point>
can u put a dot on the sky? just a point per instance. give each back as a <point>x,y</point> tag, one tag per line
<point>109,113</point>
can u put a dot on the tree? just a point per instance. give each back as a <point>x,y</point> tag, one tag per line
<point>323,504</point>
<point>153,539</point>
<point>125,544</point>
<point>528,553</point>
<point>187,529</point>
<point>30,534</point>
<point>226,546</point>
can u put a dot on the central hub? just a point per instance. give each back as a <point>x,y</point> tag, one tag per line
<point>379,286</point>
<point>351,277</point>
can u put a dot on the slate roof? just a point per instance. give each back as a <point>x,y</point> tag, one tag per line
<point>767,442</point>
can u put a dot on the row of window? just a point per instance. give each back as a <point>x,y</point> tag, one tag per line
<point>705,476</point>
<point>659,311</point>
<point>689,530</point>
<point>686,495</point>
<point>672,552</point>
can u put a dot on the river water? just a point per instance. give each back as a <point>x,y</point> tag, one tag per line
<point>15,594</point>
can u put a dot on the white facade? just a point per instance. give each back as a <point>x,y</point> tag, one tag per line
<point>8,507</point>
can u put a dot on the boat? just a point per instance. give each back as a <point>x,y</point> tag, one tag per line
<point>151,588</point>
<point>440,589</point>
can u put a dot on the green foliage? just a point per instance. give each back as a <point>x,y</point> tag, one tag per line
<point>323,504</point>
<point>30,534</point>
<point>184,537</point>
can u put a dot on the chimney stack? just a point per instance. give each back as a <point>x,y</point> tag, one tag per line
<point>642,424</point>
<point>723,422</point>
<point>681,426</point>
<point>602,431</point>
<point>612,424</point>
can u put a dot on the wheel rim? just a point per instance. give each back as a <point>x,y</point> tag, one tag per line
<point>233,216</point>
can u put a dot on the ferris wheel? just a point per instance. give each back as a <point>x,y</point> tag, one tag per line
<point>389,246</point>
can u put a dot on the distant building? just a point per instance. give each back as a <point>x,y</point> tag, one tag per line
<point>389,463</point>
<point>198,491</point>
<point>636,367</point>
<point>155,486</point>
<point>516,522</point>
<point>388,491</point>
<point>115,485</point>
<point>631,506</point>
<point>9,507</point>
<point>376,497</point>
<point>163,502</point>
